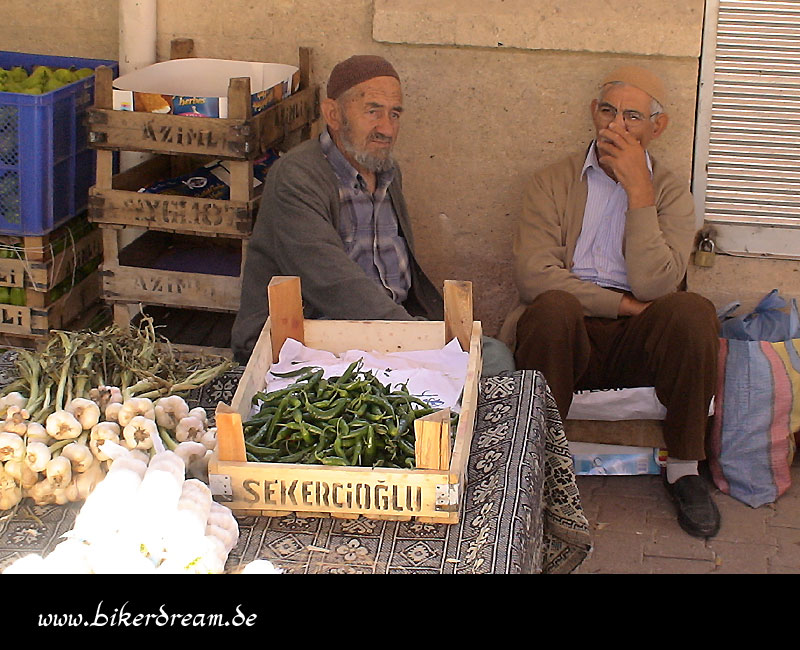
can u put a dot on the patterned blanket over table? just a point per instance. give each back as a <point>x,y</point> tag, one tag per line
<point>521,514</point>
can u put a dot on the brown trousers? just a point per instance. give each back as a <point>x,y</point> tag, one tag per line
<point>672,345</point>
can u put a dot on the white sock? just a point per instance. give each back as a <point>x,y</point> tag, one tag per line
<point>677,468</point>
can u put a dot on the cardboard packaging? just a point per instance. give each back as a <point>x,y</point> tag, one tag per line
<point>199,87</point>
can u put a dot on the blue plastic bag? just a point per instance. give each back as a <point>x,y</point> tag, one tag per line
<point>767,322</point>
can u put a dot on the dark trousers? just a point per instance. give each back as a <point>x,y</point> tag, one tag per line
<point>672,345</point>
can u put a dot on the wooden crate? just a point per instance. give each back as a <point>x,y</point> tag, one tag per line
<point>433,492</point>
<point>123,205</point>
<point>240,139</point>
<point>181,144</point>
<point>37,276</point>
<point>636,433</point>
<point>34,323</point>
<point>128,279</point>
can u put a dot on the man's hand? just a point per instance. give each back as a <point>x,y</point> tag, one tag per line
<point>621,153</point>
<point>629,306</point>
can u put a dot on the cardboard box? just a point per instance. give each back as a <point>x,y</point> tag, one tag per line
<point>619,460</point>
<point>199,87</point>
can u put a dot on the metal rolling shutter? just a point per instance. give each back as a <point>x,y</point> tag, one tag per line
<point>753,157</point>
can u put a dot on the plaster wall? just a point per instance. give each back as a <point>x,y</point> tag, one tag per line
<point>493,90</point>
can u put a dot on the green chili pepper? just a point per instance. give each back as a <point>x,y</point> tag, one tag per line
<point>333,460</point>
<point>356,452</point>
<point>371,448</point>
<point>309,370</point>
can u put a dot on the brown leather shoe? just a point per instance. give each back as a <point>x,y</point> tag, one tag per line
<point>697,513</point>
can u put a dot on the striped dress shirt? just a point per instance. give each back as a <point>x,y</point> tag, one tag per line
<point>598,254</point>
<point>368,224</point>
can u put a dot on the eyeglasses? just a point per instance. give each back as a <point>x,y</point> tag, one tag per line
<point>630,117</point>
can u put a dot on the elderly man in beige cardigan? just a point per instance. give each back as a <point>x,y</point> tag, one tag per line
<point>600,256</point>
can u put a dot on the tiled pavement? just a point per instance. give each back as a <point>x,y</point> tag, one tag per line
<point>634,530</point>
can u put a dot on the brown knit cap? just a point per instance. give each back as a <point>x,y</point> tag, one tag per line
<point>641,78</point>
<point>357,69</point>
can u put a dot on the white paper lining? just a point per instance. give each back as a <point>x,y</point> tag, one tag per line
<point>435,376</point>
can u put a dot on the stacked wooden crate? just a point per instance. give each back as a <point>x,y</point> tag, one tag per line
<point>48,282</point>
<point>192,252</point>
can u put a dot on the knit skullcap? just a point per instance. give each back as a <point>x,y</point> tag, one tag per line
<point>641,78</point>
<point>357,69</point>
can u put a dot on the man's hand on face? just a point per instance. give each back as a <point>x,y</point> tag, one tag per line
<point>619,151</point>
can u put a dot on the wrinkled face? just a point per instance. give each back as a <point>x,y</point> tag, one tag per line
<point>630,108</point>
<point>366,121</point>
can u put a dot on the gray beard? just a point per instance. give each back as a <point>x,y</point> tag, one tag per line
<point>369,162</point>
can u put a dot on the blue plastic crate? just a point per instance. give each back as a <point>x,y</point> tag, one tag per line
<point>46,167</point>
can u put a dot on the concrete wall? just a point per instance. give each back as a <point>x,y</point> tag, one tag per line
<point>493,90</point>
<point>83,28</point>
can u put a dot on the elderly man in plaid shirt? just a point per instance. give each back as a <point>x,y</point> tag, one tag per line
<point>333,213</point>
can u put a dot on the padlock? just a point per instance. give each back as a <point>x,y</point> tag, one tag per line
<point>704,255</point>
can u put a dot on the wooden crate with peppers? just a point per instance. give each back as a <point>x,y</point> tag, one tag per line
<point>348,445</point>
<point>48,281</point>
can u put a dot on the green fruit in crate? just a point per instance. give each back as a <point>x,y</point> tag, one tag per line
<point>5,296</point>
<point>17,74</point>
<point>53,83</point>
<point>17,296</point>
<point>82,73</point>
<point>65,76</point>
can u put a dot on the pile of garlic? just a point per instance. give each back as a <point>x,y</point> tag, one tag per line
<point>144,517</point>
<point>64,459</point>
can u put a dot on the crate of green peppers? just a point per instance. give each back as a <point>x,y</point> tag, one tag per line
<point>344,445</point>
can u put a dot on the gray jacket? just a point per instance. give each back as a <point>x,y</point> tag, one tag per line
<point>296,233</point>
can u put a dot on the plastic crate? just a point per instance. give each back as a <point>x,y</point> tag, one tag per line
<point>46,167</point>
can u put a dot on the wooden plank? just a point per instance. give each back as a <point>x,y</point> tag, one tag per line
<point>110,244</point>
<point>381,336</point>
<point>170,288</point>
<point>239,103</point>
<point>458,312</point>
<point>157,133</point>
<point>469,408</point>
<point>286,312</point>
<point>432,443</point>
<point>230,435</point>
<point>290,114</point>
<point>13,272</point>
<point>304,56</point>
<point>350,491</point>
<point>173,213</point>
<point>103,100</point>
<point>103,87</point>
<point>635,433</point>
<point>122,315</point>
<point>181,48</point>
<point>255,376</point>
<point>228,138</point>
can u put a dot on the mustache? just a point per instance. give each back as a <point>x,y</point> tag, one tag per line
<point>380,137</point>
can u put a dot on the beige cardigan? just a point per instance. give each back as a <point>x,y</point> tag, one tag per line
<point>657,242</point>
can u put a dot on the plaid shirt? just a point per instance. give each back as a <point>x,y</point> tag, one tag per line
<point>368,224</point>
